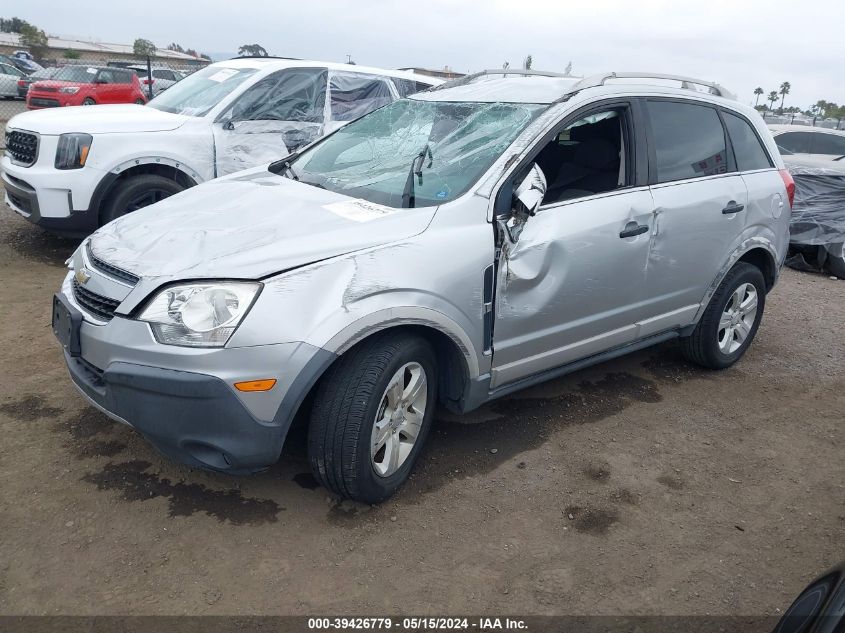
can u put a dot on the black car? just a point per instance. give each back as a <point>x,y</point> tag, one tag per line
<point>38,75</point>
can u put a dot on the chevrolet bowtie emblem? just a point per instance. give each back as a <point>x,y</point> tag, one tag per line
<point>82,276</point>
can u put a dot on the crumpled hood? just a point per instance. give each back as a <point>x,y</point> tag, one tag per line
<point>248,226</point>
<point>102,119</point>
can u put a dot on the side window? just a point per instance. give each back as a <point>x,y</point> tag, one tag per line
<point>748,150</point>
<point>794,142</point>
<point>296,94</point>
<point>105,77</point>
<point>830,144</point>
<point>406,87</point>
<point>123,77</point>
<point>353,95</point>
<point>587,157</point>
<point>689,140</point>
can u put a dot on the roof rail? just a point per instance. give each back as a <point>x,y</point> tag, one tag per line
<point>297,59</point>
<point>522,72</point>
<point>598,80</point>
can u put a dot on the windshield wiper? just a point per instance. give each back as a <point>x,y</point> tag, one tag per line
<point>408,198</point>
<point>283,166</point>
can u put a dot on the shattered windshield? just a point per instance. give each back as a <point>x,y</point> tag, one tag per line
<point>428,151</point>
<point>199,93</point>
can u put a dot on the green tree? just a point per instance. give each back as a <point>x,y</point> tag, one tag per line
<point>144,48</point>
<point>773,96</point>
<point>252,50</point>
<point>70,54</point>
<point>757,92</point>
<point>527,63</point>
<point>34,39</point>
<point>175,47</point>
<point>12,25</point>
<point>784,90</point>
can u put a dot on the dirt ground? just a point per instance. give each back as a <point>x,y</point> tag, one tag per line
<point>641,486</point>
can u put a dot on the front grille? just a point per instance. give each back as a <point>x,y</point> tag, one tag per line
<point>22,147</point>
<point>112,271</point>
<point>48,89</point>
<point>43,103</point>
<point>101,307</point>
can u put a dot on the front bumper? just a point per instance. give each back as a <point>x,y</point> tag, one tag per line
<point>57,200</point>
<point>182,400</point>
<point>191,418</point>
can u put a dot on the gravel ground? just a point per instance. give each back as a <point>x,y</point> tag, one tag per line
<point>641,486</point>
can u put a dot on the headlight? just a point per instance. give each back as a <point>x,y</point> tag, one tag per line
<point>72,151</point>
<point>200,314</point>
<point>71,90</point>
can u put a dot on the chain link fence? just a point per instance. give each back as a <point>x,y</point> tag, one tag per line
<point>60,83</point>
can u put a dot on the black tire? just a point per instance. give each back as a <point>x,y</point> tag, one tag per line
<point>88,101</point>
<point>344,411</point>
<point>836,260</point>
<point>702,346</point>
<point>140,102</point>
<point>135,193</point>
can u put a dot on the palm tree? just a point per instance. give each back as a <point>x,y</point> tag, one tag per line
<point>773,96</point>
<point>784,90</point>
<point>757,91</point>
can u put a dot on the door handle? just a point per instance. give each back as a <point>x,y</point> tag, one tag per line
<point>733,207</point>
<point>632,229</point>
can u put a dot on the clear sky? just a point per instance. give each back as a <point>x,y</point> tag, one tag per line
<point>739,43</point>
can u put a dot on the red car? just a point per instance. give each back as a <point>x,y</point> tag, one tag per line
<point>86,85</point>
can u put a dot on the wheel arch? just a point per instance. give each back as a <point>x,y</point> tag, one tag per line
<point>157,165</point>
<point>757,251</point>
<point>454,366</point>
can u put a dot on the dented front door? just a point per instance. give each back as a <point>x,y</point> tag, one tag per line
<point>571,285</point>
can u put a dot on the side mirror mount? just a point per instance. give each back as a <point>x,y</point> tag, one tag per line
<point>528,194</point>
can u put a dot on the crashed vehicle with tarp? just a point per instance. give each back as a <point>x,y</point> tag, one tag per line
<point>449,248</point>
<point>70,170</point>
<point>817,231</point>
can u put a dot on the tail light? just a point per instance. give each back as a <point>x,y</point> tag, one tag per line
<point>790,185</point>
<point>149,82</point>
<point>21,83</point>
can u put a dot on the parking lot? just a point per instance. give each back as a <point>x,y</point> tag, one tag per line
<point>641,486</point>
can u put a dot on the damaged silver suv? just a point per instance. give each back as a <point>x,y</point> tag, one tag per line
<point>446,249</point>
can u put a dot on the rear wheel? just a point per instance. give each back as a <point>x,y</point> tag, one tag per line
<point>836,259</point>
<point>140,101</point>
<point>730,320</point>
<point>136,193</point>
<point>371,416</point>
<point>88,101</point>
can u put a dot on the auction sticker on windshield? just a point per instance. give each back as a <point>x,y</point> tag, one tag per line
<point>359,210</point>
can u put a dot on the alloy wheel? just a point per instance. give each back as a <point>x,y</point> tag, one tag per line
<point>738,318</point>
<point>399,419</point>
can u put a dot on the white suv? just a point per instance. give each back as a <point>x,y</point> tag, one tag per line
<point>71,170</point>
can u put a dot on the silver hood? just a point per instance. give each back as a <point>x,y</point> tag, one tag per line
<point>248,226</point>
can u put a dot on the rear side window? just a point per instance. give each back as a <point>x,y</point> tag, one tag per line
<point>407,87</point>
<point>689,140</point>
<point>355,95</point>
<point>829,144</point>
<point>795,142</point>
<point>748,150</point>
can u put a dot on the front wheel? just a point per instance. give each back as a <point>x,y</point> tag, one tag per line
<point>88,101</point>
<point>371,415</point>
<point>137,192</point>
<point>140,102</point>
<point>730,320</point>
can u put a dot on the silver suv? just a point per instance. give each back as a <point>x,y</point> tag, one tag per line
<point>448,248</point>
